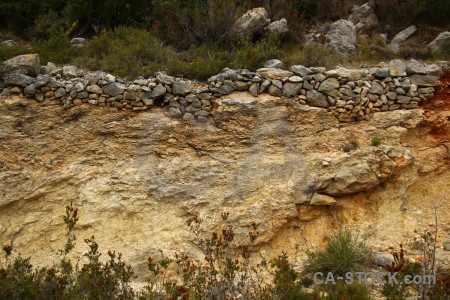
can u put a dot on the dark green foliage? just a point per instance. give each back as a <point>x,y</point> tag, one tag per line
<point>56,48</point>
<point>343,253</point>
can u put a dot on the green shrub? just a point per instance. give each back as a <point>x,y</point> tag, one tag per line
<point>376,141</point>
<point>312,55</point>
<point>128,51</point>
<point>56,48</point>
<point>343,253</point>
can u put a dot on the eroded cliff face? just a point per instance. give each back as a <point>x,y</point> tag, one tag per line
<point>137,178</point>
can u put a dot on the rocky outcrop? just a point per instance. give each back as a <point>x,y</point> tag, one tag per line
<point>438,43</point>
<point>401,37</point>
<point>342,36</point>
<point>363,17</point>
<point>251,22</point>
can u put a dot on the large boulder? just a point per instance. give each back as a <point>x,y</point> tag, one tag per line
<point>342,36</point>
<point>28,64</point>
<point>252,22</point>
<point>438,43</point>
<point>363,17</point>
<point>401,37</point>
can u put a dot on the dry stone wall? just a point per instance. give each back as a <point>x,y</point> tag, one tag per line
<point>350,94</point>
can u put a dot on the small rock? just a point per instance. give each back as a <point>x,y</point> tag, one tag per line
<point>69,71</point>
<point>301,71</point>
<point>274,63</point>
<point>114,89</point>
<point>188,117</point>
<point>397,68</point>
<point>181,88</point>
<point>415,67</point>
<point>382,259</point>
<point>291,89</point>
<point>328,85</point>
<point>175,112</point>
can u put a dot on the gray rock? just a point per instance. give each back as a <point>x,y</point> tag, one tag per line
<point>425,80</point>
<point>8,43</point>
<point>69,71</point>
<point>94,89</point>
<point>175,112</point>
<point>148,102</point>
<point>301,71</point>
<point>291,89</point>
<point>83,95</point>
<point>376,88</point>
<point>274,91</point>
<point>109,78</point>
<point>181,87</point>
<point>274,73</point>
<point>264,85</point>
<point>379,72</point>
<point>30,90</point>
<point>60,93</point>
<point>78,42</point>
<point>403,99</point>
<point>188,117</point>
<point>252,22</point>
<point>315,98</point>
<point>159,91</point>
<point>163,78</point>
<point>382,259</point>
<point>342,36</point>
<point>401,37</point>
<point>415,67</point>
<point>254,88</point>
<point>437,44</point>
<point>242,86</point>
<point>79,86</point>
<point>328,85</point>
<point>278,27</point>
<point>42,80</point>
<point>28,64</point>
<point>114,89</point>
<point>201,119</point>
<point>397,68</point>
<point>434,70</point>
<point>359,13</point>
<point>369,22</point>
<point>295,79</point>
<point>17,78</point>
<point>274,63</point>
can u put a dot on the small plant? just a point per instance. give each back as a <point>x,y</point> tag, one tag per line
<point>343,253</point>
<point>401,265</point>
<point>376,141</point>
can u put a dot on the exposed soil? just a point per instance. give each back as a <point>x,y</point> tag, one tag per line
<point>437,114</point>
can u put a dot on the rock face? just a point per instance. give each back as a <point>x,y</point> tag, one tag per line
<point>438,43</point>
<point>401,37</point>
<point>137,178</point>
<point>342,36</point>
<point>251,22</point>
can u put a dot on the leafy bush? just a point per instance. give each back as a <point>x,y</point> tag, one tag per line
<point>343,253</point>
<point>312,55</point>
<point>128,51</point>
<point>56,49</point>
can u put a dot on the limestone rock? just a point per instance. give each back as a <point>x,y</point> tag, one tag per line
<point>69,71</point>
<point>301,71</point>
<point>328,85</point>
<point>401,37</point>
<point>342,36</point>
<point>274,63</point>
<point>319,199</point>
<point>27,64</point>
<point>78,42</point>
<point>159,91</point>
<point>278,27</point>
<point>438,43</point>
<point>274,73</point>
<point>397,68</point>
<point>252,22</point>
<point>315,98</point>
<point>181,87</point>
<point>382,259</point>
<point>291,89</point>
<point>17,78</point>
<point>114,89</point>
<point>415,67</point>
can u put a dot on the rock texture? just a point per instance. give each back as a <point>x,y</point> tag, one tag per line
<point>138,178</point>
<point>438,43</point>
<point>401,37</point>
<point>342,36</point>
<point>251,22</point>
